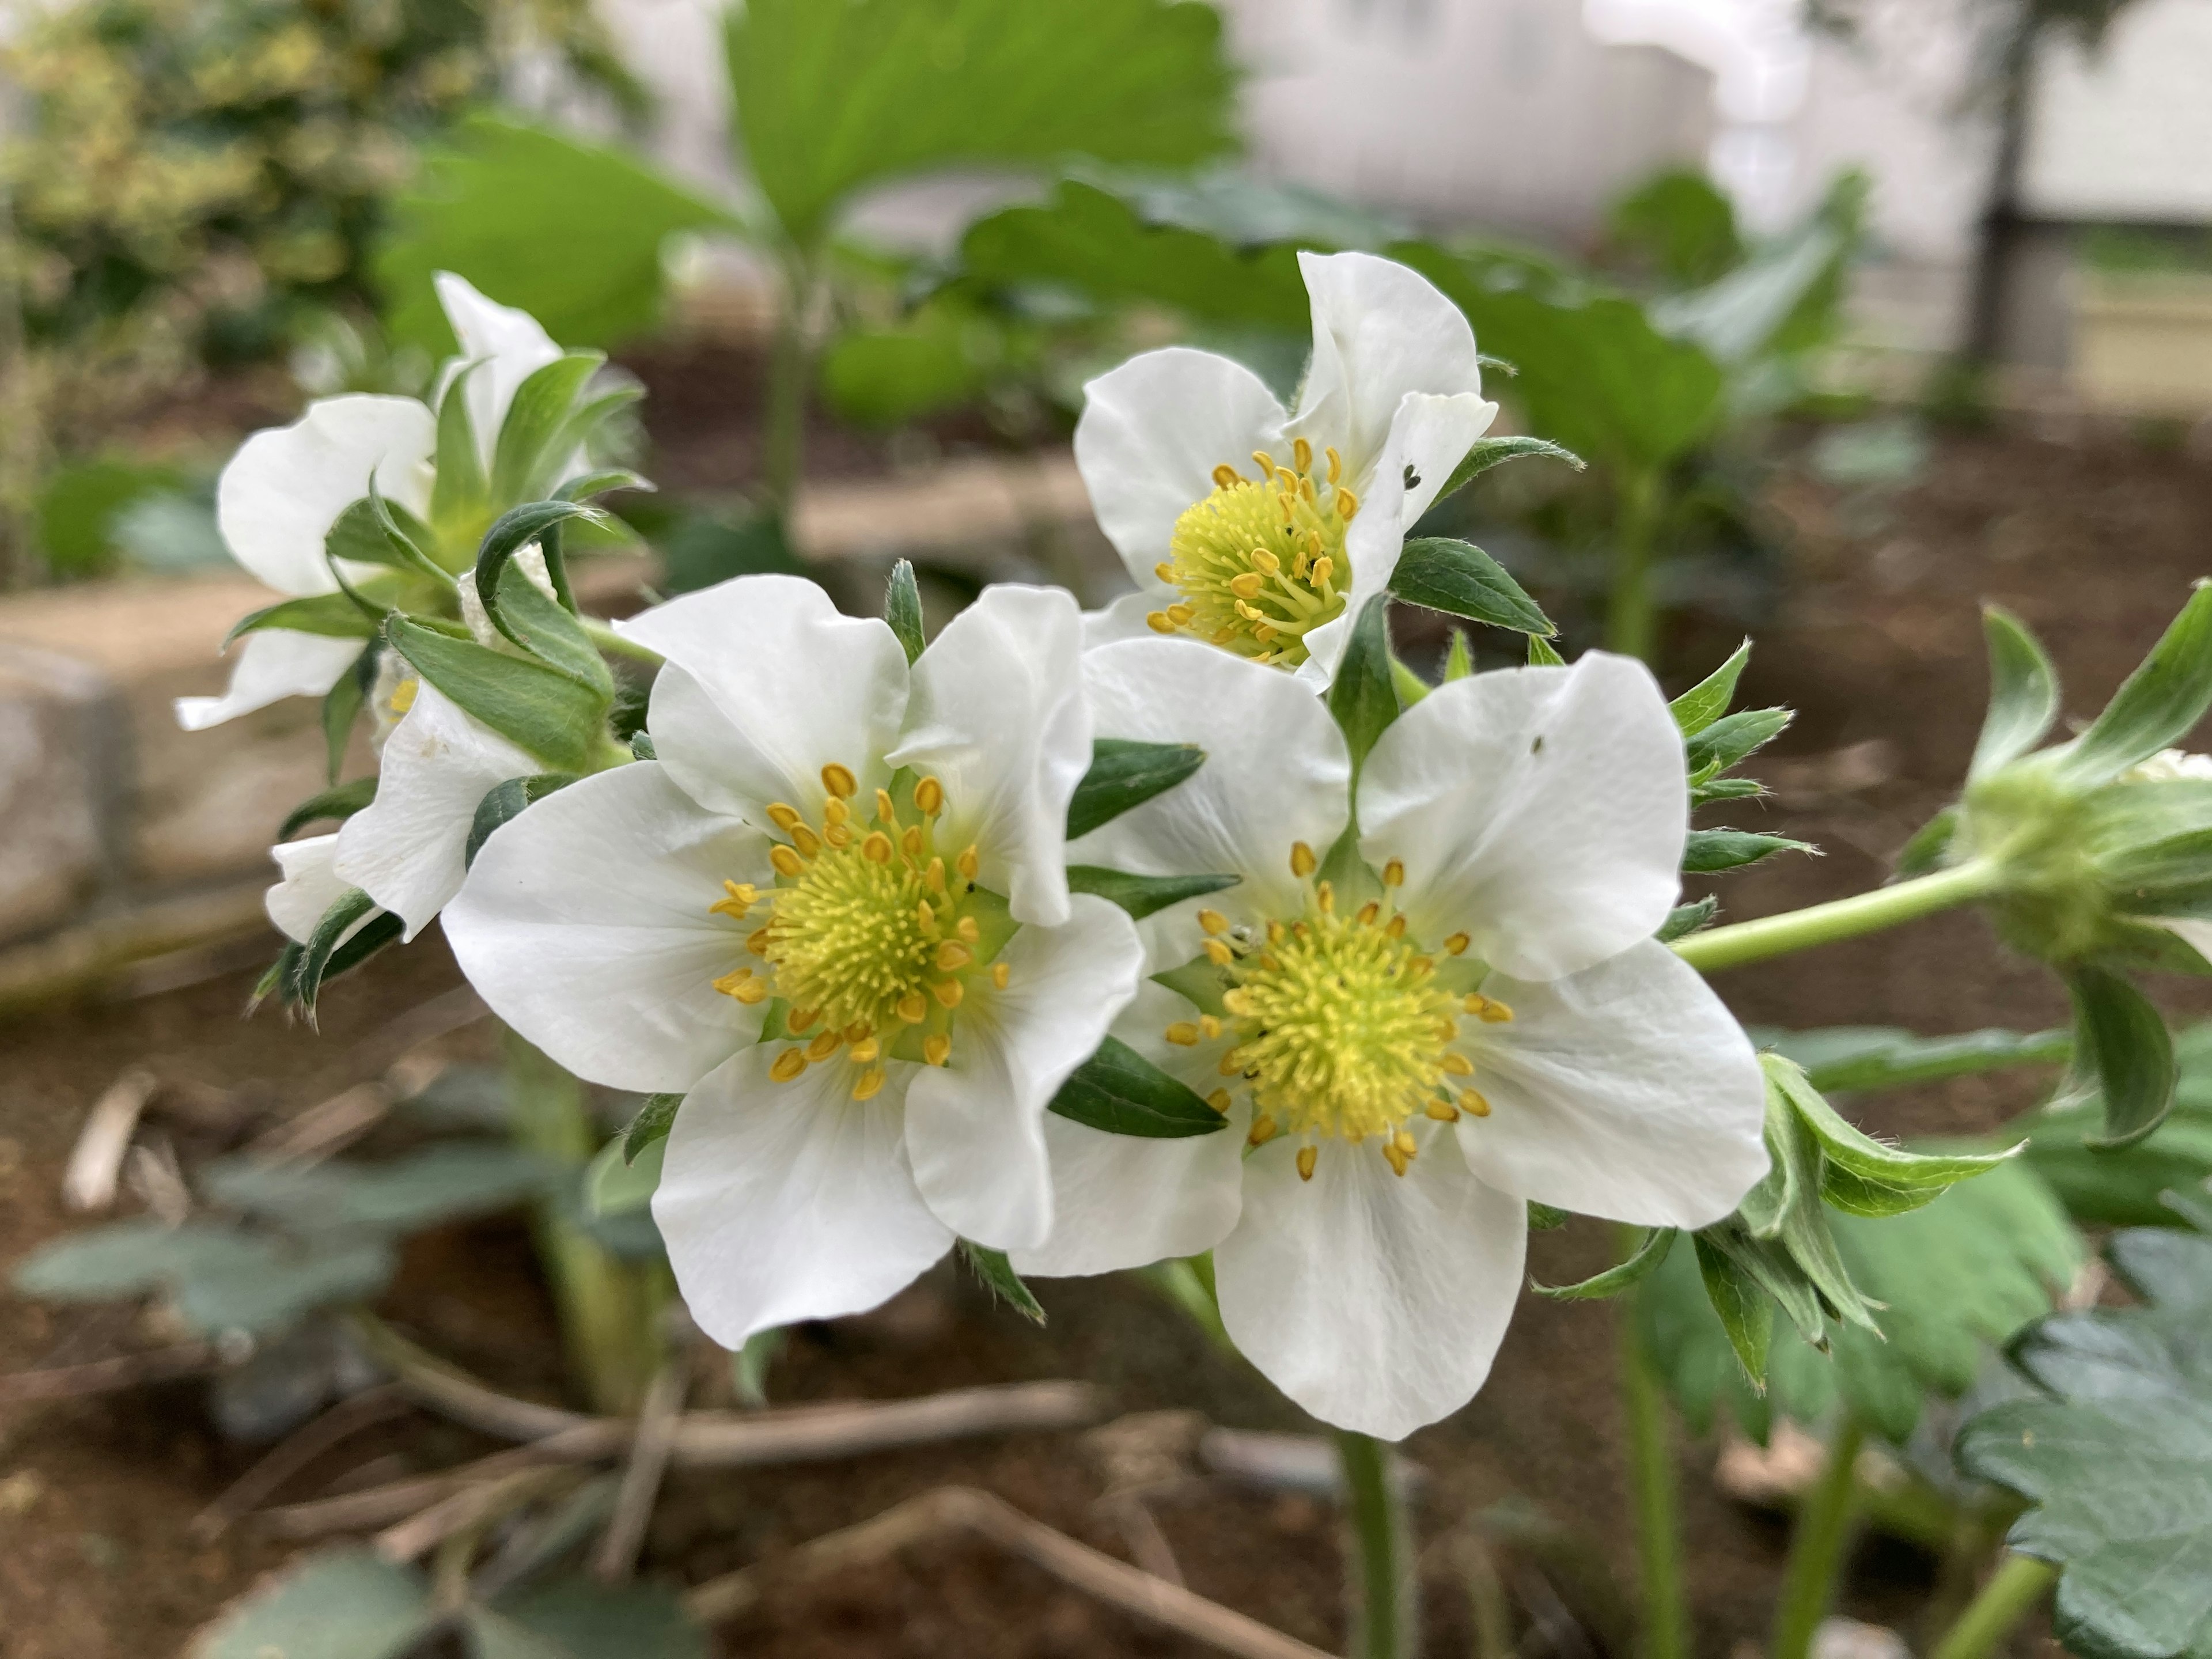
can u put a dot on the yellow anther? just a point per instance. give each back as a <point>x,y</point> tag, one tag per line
<point>912,1008</point>
<point>1275,931</point>
<point>1267,462</point>
<point>785,818</point>
<point>799,1019</point>
<point>1456,944</point>
<point>758,941</point>
<point>886,814</point>
<point>1325,896</point>
<point>947,993</point>
<point>1335,464</point>
<point>1231,1063</point>
<point>838,835</point>
<point>1458,1064</point>
<point>787,861</point>
<point>865,1052</point>
<point>933,877</point>
<point>858,1031</point>
<point>869,1083</point>
<point>836,811</point>
<point>1394,874</point>
<point>1396,928</point>
<point>1306,491</point>
<point>1213,921</point>
<point>808,843</point>
<point>937,1049</point>
<point>969,929</point>
<point>1218,953</point>
<point>1474,1104</point>
<point>952,955</point>
<point>967,864</point>
<point>1219,1100</point>
<point>1368,912</point>
<point>929,797</point>
<point>1301,453</point>
<point>1443,1111</point>
<point>824,1045</point>
<point>1396,1156</point>
<point>1265,562</point>
<point>1208,1027</point>
<point>1323,568</point>
<point>1226,475</point>
<point>1182,1034</point>
<point>1159,623</point>
<point>1288,500</point>
<point>925,916</point>
<point>1308,1156</point>
<point>743,895</point>
<point>910,842</point>
<point>1180,615</point>
<point>877,849</point>
<point>1234,1002</point>
<point>1164,571</point>
<point>1406,1143</point>
<point>1000,973</point>
<point>1263,1131</point>
<point>840,782</point>
<point>744,987</point>
<point>788,1065</point>
<point>1347,504</point>
<point>1247,586</point>
<point>1420,967</point>
<point>1303,861</point>
<point>1494,1012</point>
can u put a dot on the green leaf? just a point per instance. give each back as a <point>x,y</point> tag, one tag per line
<point>2023,693</point>
<point>499,202</point>
<point>830,99</point>
<point>1362,697</point>
<point>548,713</point>
<point>1142,894</point>
<point>1852,1059</point>
<point>1460,580</point>
<point>1543,654</point>
<point>653,1122</point>
<point>1678,222</point>
<point>1863,1176</point>
<point>1118,1090</point>
<point>1123,774</point>
<point>2155,706</point>
<point>1639,1267</point>
<point>216,1277</point>
<point>1709,699</point>
<point>1686,918</point>
<point>340,803</point>
<point>1734,738</point>
<point>1924,852</point>
<point>541,625</point>
<point>2121,1041</point>
<point>341,705</point>
<point>577,1618</point>
<point>902,611</point>
<point>443,1182</point>
<point>345,1604</point>
<point>332,616</point>
<point>1489,452</point>
<point>1710,851</point>
<point>1745,1313</point>
<point>2123,1188</point>
<point>1005,1284</point>
<point>524,456</point>
<point>503,801</point>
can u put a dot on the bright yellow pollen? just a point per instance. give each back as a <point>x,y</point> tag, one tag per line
<point>840,782</point>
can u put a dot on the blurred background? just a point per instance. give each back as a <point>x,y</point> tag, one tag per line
<point>1879,307</point>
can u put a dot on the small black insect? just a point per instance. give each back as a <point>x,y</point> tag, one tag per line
<point>1412,478</point>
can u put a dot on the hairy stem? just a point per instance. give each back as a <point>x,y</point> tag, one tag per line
<point>2014,1591</point>
<point>618,644</point>
<point>1818,1545</point>
<point>1840,918</point>
<point>1384,1619</point>
<point>1630,612</point>
<point>1666,1627</point>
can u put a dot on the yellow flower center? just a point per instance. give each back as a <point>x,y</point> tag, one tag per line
<point>1341,1026</point>
<point>871,936</point>
<point>1261,562</point>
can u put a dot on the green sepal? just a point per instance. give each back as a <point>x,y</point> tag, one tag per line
<point>1543,654</point>
<point>537,622</point>
<point>2023,693</point>
<point>1118,1090</point>
<point>653,1122</point>
<point>341,801</point>
<point>1460,580</point>
<point>330,952</point>
<point>1613,1280</point>
<point>1718,789</point>
<point>460,492</point>
<point>523,456</point>
<point>1709,699</point>
<point>1141,895</point>
<point>341,705</point>
<point>334,616</point>
<point>583,425</point>
<point>1545,1218</point>
<point>1745,1313</point>
<point>1686,918</point>
<point>1459,661</point>
<point>1930,841</point>
<point>585,485</point>
<point>541,709</point>
<point>1411,687</point>
<point>1489,451</point>
<point>512,532</point>
<point>1200,982</point>
<point>902,610</point>
<point>1707,852</point>
<point>507,800</point>
<point>1362,697</point>
<point>2121,1041</point>
<point>1860,1174</point>
<point>999,1276</point>
<point>641,746</point>
<point>1125,774</point>
<point>2156,705</point>
<point>1855,1059</point>
<point>1733,738</point>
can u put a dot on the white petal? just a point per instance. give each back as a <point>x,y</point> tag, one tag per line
<point>1124,1200</point>
<point>285,488</point>
<point>584,923</point>
<point>1375,1301</point>
<point>1626,1090</point>
<point>1381,330</point>
<point>775,684</point>
<point>1428,437</point>
<point>1151,433</point>
<point>272,665</point>
<point>1275,773</point>
<point>785,1201</point>
<point>512,343</point>
<point>998,714</point>
<point>407,849</point>
<point>2196,935</point>
<point>309,888</point>
<point>1124,619</point>
<point>974,1127</point>
<point>1542,811</point>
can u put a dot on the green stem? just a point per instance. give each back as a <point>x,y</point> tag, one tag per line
<point>1665,1629</point>
<point>790,364</point>
<point>2014,1590</point>
<point>618,645</point>
<point>1384,1619</point>
<point>610,1310</point>
<point>1840,918</point>
<point>1818,1545</point>
<point>1630,614</point>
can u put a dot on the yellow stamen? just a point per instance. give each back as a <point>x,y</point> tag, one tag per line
<point>743,895</point>
<point>801,1020</point>
<point>1308,1156</point>
<point>1000,974</point>
<point>1396,1156</point>
<point>827,1043</point>
<point>1474,1102</point>
<point>912,1008</point>
<point>929,798</point>
<point>967,864</point>
<point>1218,953</point>
<point>937,1049</point>
<point>785,818</point>
<point>1213,921</point>
<point>1443,1112</point>
<point>840,782</point>
<point>1159,623</point>
<point>1394,874</point>
<point>1303,861</point>
<point>1494,1012</point>
<point>869,1083</point>
<point>947,992</point>
<point>1456,944</point>
<point>1335,464</point>
<point>1182,1034</point>
<point>952,955</point>
<point>877,849</point>
<point>744,987</point>
<point>969,929</point>
<point>864,1053</point>
<point>885,813</point>
<point>1164,571</point>
<point>1458,1064</point>
<point>1301,453</point>
<point>910,842</point>
<point>787,862</point>
<point>788,1065</point>
<point>808,844</point>
<point>1347,504</point>
<point>1263,1131</point>
<point>1219,1100</point>
<point>1226,475</point>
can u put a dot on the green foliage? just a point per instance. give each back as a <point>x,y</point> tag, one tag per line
<point>2023,693</point>
<point>340,803</point>
<point>999,1276</point>
<point>1679,224</point>
<point>1709,699</point>
<point>2118,1459</point>
<point>1460,580</point>
<point>902,611</point>
<point>214,1277</point>
<point>1125,774</point>
<point>1141,895</point>
<point>441,1183</point>
<point>2123,1188</point>
<point>2158,704</point>
<point>1118,1090</point>
<point>539,708</point>
<point>1363,696</point>
<point>832,98</point>
<point>652,1124</point>
<point>1848,1058</point>
<point>2121,1041</point>
<point>81,505</point>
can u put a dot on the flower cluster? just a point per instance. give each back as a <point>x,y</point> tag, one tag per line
<point>1090,941</point>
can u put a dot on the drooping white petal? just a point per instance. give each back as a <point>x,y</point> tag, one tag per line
<point>1542,811</point>
<point>407,848</point>
<point>998,714</point>
<point>586,923</point>
<point>285,488</point>
<point>1125,1201</point>
<point>1151,433</point>
<point>271,665</point>
<point>785,1201</point>
<point>1275,773</point>
<point>1381,330</point>
<point>1626,1090</point>
<point>1375,1301</point>
<point>975,1126</point>
<point>510,342</point>
<point>309,886</point>
<point>1427,438</point>
<point>773,684</point>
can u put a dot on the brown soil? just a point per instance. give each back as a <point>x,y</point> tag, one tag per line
<point>1877,643</point>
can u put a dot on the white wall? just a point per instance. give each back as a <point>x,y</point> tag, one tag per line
<point>2126,132</point>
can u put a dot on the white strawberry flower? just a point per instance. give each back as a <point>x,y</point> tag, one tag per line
<point>1263,530</point>
<point>835,911</point>
<point>2168,766</point>
<point>1472,1015</point>
<point>285,488</point>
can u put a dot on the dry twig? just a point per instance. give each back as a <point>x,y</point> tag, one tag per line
<point>95,1164</point>
<point>124,1371</point>
<point>293,1453</point>
<point>616,1556</point>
